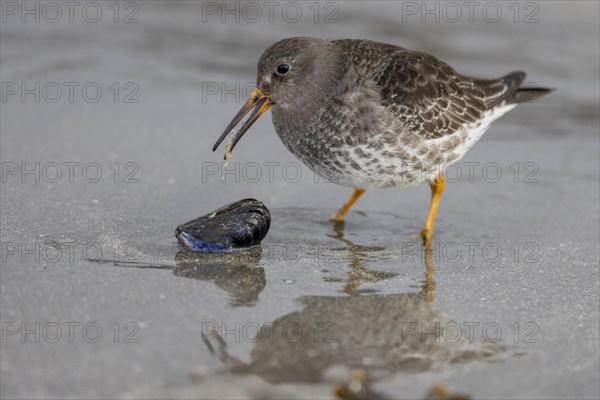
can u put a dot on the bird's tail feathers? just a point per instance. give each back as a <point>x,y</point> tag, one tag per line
<point>510,90</point>
<point>531,94</point>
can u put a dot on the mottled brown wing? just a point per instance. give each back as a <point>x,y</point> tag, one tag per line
<point>427,96</point>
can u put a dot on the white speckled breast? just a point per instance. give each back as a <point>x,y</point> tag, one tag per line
<point>385,157</point>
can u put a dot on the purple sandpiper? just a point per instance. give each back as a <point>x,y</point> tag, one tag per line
<point>375,115</point>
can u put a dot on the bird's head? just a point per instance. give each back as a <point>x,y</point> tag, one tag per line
<point>291,72</point>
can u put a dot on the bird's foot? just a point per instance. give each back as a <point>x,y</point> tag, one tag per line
<point>426,235</point>
<point>337,217</point>
<point>415,237</point>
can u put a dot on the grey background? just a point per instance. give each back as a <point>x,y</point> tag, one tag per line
<point>173,55</point>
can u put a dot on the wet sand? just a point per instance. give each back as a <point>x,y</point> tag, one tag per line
<point>507,305</point>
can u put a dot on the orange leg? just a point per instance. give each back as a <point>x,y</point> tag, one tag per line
<point>437,187</point>
<point>339,216</point>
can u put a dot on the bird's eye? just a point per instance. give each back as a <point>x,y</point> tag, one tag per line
<point>282,69</point>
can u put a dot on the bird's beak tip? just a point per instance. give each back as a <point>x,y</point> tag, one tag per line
<point>258,103</point>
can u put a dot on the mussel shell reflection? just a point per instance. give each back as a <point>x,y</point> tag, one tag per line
<point>237,273</point>
<point>242,224</point>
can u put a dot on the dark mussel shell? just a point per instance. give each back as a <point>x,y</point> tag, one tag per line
<point>242,224</point>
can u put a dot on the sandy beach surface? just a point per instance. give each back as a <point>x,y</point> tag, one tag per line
<point>97,302</point>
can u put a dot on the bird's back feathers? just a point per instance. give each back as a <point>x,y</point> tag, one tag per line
<point>427,95</point>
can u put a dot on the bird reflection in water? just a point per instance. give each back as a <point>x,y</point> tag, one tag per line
<point>358,255</point>
<point>377,333</point>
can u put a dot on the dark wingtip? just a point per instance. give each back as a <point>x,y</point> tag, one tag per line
<point>514,77</point>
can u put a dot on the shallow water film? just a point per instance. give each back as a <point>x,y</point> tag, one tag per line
<point>109,112</point>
